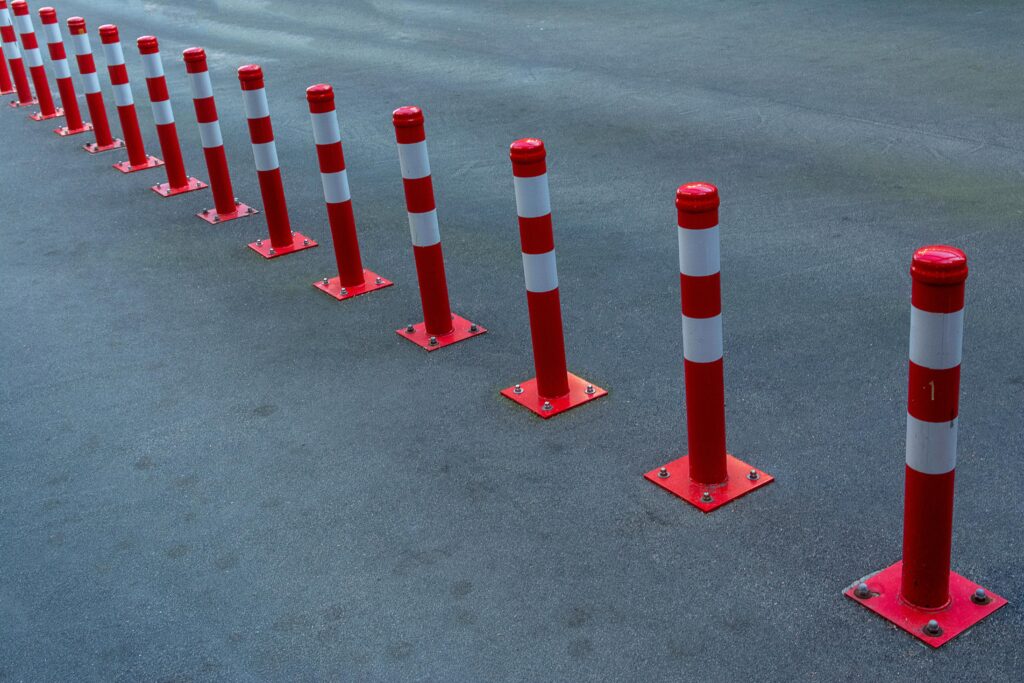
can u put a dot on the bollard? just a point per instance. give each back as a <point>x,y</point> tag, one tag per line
<point>34,59</point>
<point>65,86</point>
<point>352,279</point>
<point>6,85</point>
<point>82,48</point>
<point>283,240</point>
<point>707,477</point>
<point>226,207</point>
<point>178,181</point>
<point>138,160</point>
<point>13,55</point>
<point>440,327</point>
<point>920,594</point>
<point>554,390</point>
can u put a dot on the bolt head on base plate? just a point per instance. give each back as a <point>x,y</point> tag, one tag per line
<point>241,211</point>
<point>299,242</point>
<point>15,104</point>
<point>64,131</point>
<point>126,166</point>
<point>738,482</point>
<point>165,189</point>
<point>960,614</point>
<point>370,283</point>
<point>461,330</point>
<point>580,391</point>
<point>40,116</point>
<point>97,148</point>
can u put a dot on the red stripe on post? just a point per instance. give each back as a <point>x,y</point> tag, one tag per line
<point>701,296</point>
<point>437,313</point>
<point>548,343</point>
<point>927,538</point>
<point>330,157</point>
<point>536,235</point>
<point>419,194</point>
<point>261,131</point>
<point>705,420</point>
<point>206,110</point>
<point>933,395</point>
<point>157,89</point>
<point>118,74</point>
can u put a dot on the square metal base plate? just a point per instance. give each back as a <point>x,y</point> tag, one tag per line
<point>371,282</point>
<point>960,614</point>
<point>461,329</point>
<point>165,189</point>
<point>15,104</point>
<point>97,148</point>
<point>64,131</point>
<point>241,211</point>
<point>580,391</point>
<point>40,116</point>
<point>4,93</point>
<point>739,482</point>
<point>299,242</point>
<point>126,166</point>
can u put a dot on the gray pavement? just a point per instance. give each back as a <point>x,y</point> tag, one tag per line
<point>211,471</point>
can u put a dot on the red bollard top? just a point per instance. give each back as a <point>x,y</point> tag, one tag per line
<point>697,205</point>
<point>408,125</point>
<point>20,7</point>
<point>250,76</point>
<point>938,273</point>
<point>148,45</point>
<point>76,25</point>
<point>48,15</point>
<point>320,98</point>
<point>195,60</point>
<point>109,34</point>
<point>528,157</point>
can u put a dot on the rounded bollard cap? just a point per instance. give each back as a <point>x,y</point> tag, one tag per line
<point>939,264</point>
<point>528,157</point>
<point>20,7</point>
<point>250,76</point>
<point>76,25</point>
<point>408,125</point>
<point>320,98</point>
<point>195,60</point>
<point>48,15</point>
<point>148,45</point>
<point>697,205</point>
<point>109,34</point>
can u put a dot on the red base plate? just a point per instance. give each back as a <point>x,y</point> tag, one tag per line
<point>960,614</point>
<point>96,148</point>
<point>8,92</point>
<point>580,391</point>
<point>64,131</point>
<point>15,104</point>
<point>165,189</point>
<point>40,116</point>
<point>738,482</point>
<point>461,329</point>
<point>241,211</point>
<point>126,166</point>
<point>266,250</point>
<point>371,282</point>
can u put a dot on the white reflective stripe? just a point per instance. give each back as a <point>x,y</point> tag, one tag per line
<point>33,58</point>
<point>11,51</point>
<point>413,160</point>
<point>60,68</point>
<point>266,156</point>
<point>201,85</point>
<point>335,187</point>
<point>209,134</point>
<point>23,23</point>
<point>152,65</point>
<point>936,339</point>
<point>162,112</point>
<point>424,229</point>
<point>931,446</point>
<point>256,106</point>
<point>123,95</point>
<point>80,44</point>
<point>113,54</point>
<point>5,17</point>
<point>91,83</point>
<point>325,128</point>
<point>532,197</point>
<point>699,252</point>
<point>702,339</point>
<point>540,271</point>
<point>52,33</point>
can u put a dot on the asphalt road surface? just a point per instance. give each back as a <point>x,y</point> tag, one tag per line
<point>212,471</point>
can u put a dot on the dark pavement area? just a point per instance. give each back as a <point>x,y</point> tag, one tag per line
<point>211,471</point>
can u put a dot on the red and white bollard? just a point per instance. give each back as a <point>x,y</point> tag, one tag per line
<point>138,160</point>
<point>34,59</point>
<point>920,594</point>
<point>6,84</point>
<point>440,327</point>
<point>707,477</point>
<point>283,240</point>
<point>352,279</point>
<point>82,48</point>
<point>178,181</point>
<point>226,207</point>
<point>65,86</point>
<point>14,61</point>
<point>554,390</point>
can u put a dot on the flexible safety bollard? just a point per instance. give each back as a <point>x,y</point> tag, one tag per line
<point>14,61</point>
<point>554,390</point>
<point>440,327</point>
<point>178,180</point>
<point>352,279</point>
<point>65,86</point>
<point>708,476</point>
<point>82,48</point>
<point>283,240</point>
<point>226,206</point>
<point>34,59</point>
<point>6,85</point>
<point>138,160</point>
<point>920,594</point>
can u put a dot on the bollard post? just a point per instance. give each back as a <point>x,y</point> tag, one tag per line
<point>14,60</point>
<point>34,59</point>
<point>138,160</point>
<point>65,86</point>
<point>82,48</point>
